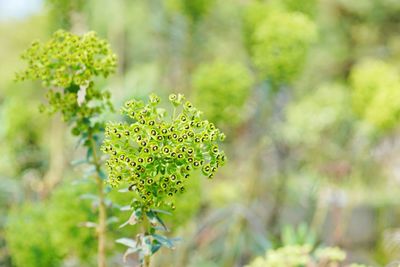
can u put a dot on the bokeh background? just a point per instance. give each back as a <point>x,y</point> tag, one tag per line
<point>307,93</point>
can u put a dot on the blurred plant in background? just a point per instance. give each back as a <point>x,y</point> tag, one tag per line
<point>299,256</point>
<point>280,45</point>
<point>69,63</point>
<point>221,90</point>
<point>59,215</point>
<point>376,97</point>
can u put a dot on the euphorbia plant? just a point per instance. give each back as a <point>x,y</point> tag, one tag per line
<point>67,65</point>
<point>154,154</point>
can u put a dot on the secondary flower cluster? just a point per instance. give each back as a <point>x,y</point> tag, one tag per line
<point>158,152</point>
<point>67,65</point>
<point>278,40</point>
<point>68,59</point>
<point>221,89</point>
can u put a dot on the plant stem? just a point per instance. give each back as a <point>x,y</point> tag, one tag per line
<point>173,114</point>
<point>101,228</point>
<point>146,262</point>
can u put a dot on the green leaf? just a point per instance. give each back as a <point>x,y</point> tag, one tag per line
<point>161,211</point>
<point>89,153</point>
<point>102,174</point>
<point>155,247</point>
<point>164,241</point>
<point>155,219</point>
<point>133,219</point>
<point>127,242</point>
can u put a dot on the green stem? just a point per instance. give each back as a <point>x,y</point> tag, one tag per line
<point>174,114</point>
<point>101,228</point>
<point>146,225</point>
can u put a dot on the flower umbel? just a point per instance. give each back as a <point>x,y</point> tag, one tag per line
<point>68,59</point>
<point>67,65</point>
<point>158,151</point>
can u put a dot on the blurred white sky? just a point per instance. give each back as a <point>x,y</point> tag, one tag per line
<point>16,9</point>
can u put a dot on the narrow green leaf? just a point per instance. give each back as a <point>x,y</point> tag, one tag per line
<point>89,154</point>
<point>102,174</point>
<point>165,228</point>
<point>127,242</point>
<point>155,247</point>
<point>161,211</point>
<point>152,218</point>
<point>133,219</point>
<point>164,241</point>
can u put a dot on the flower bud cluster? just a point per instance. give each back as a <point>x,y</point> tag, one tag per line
<point>68,59</point>
<point>67,65</point>
<point>158,152</point>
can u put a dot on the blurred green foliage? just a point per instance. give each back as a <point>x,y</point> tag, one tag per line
<point>302,235</point>
<point>25,138</point>
<point>62,11</point>
<point>37,250</point>
<point>194,10</point>
<point>47,233</point>
<point>317,113</point>
<point>309,7</point>
<point>302,256</point>
<point>280,42</point>
<point>376,95</point>
<point>221,90</point>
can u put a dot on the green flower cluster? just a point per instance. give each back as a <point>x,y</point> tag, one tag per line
<point>68,59</point>
<point>376,94</point>
<point>67,65</point>
<point>221,89</point>
<point>280,44</point>
<point>81,113</point>
<point>157,152</point>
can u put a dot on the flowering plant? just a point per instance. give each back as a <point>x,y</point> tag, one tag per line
<point>155,153</point>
